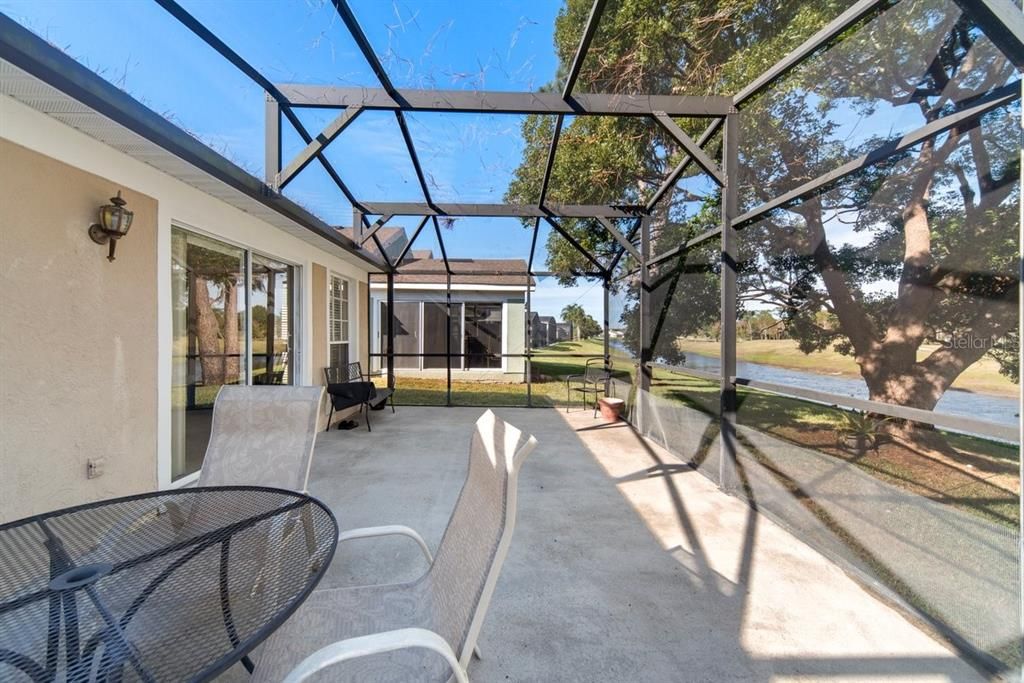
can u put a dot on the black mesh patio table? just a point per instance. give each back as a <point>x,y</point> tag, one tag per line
<point>168,586</point>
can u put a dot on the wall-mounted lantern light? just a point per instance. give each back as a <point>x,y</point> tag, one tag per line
<point>114,223</point>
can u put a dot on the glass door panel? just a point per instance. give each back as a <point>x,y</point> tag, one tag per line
<point>483,336</point>
<point>272,321</point>
<point>406,322</point>
<point>435,324</point>
<point>209,340</point>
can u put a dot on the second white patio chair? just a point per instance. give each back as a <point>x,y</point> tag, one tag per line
<point>424,630</point>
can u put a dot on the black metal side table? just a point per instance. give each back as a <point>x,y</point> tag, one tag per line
<point>166,586</point>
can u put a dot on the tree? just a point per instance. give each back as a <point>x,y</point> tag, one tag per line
<point>759,325</point>
<point>928,240</point>
<point>589,327</point>
<point>215,282</point>
<point>571,313</point>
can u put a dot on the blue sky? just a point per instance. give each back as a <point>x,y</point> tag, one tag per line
<point>493,44</point>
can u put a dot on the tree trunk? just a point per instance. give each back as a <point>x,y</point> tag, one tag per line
<point>208,334</point>
<point>232,345</point>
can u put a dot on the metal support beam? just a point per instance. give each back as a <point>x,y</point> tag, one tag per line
<point>966,117</point>
<point>607,324</point>
<point>533,246</point>
<point>377,225</point>
<point>620,238</point>
<point>358,225</point>
<point>378,69</point>
<point>501,102</point>
<point>570,82</point>
<point>681,167</point>
<point>391,328</point>
<point>364,45</point>
<point>550,164</point>
<point>408,245</point>
<point>411,148</point>
<point>28,52</point>
<point>448,337</point>
<point>581,51</point>
<point>272,140</point>
<point>854,14</point>
<point>728,307</point>
<point>821,39</point>
<point>370,326</point>
<point>692,148</point>
<point>412,270</point>
<point>504,210</point>
<point>1003,23</point>
<point>682,248</point>
<point>529,343</point>
<point>211,39</point>
<point>576,245</point>
<point>383,252</point>
<point>630,236</point>
<point>440,244</point>
<point>315,147</point>
<point>646,355</point>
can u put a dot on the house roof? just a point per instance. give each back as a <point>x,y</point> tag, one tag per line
<point>510,272</point>
<point>393,240</point>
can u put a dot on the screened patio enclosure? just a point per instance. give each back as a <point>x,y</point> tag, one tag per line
<point>815,302</point>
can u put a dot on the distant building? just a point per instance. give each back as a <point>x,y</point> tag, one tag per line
<point>550,327</point>
<point>488,314</point>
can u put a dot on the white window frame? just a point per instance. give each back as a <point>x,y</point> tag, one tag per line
<point>350,333</point>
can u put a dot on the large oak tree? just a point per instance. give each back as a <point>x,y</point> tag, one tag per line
<point>919,250</point>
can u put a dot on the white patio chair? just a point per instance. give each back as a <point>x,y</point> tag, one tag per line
<point>262,436</point>
<point>259,436</point>
<point>412,631</point>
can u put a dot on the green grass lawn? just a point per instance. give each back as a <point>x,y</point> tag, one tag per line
<point>550,366</point>
<point>974,474</point>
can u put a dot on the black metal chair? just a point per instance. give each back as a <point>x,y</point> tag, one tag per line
<point>593,382</point>
<point>349,387</point>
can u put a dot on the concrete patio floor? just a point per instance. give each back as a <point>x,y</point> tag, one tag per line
<point>626,565</point>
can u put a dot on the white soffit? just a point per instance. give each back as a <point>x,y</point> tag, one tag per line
<point>44,98</point>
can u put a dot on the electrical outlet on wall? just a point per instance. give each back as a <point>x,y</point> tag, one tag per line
<point>94,467</point>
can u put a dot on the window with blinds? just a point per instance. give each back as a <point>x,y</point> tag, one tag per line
<point>338,322</point>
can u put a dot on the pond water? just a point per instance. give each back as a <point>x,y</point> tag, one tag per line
<point>998,409</point>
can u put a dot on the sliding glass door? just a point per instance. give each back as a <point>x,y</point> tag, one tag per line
<point>233,321</point>
<point>271,321</point>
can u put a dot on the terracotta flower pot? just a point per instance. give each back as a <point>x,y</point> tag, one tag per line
<point>611,409</point>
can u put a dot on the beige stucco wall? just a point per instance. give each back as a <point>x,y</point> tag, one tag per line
<point>319,322</point>
<point>78,339</point>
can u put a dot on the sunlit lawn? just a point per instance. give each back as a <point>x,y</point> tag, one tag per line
<point>551,365</point>
<point>974,474</point>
